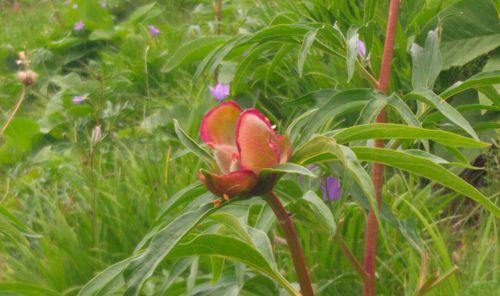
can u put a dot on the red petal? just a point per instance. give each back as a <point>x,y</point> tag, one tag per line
<point>219,124</point>
<point>257,142</point>
<point>233,184</point>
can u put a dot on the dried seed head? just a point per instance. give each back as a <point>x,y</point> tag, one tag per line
<point>27,77</point>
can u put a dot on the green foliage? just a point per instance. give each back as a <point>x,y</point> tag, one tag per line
<point>124,214</point>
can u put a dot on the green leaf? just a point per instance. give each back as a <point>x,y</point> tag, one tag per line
<point>19,138</point>
<point>440,160</point>
<point>193,51</point>
<point>352,51</point>
<point>369,10</point>
<point>338,104</point>
<point>399,131</point>
<point>231,248</point>
<point>217,265</point>
<point>304,49</point>
<point>470,29</point>
<point>102,279</point>
<point>425,168</point>
<point>396,103</point>
<point>321,209</point>
<point>141,268</point>
<point>187,141</point>
<point>479,80</point>
<point>288,168</point>
<point>371,111</point>
<point>442,106</point>
<point>141,12</point>
<point>323,148</point>
<point>25,289</point>
<point>426,62</point>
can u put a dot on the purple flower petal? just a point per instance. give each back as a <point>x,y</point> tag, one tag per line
<point>67,2</point>
<point>220,91</point>
<point>104,4</point>
<point>78,100</point>
<point>330,187</point>
<point>79,26</point>
<point>75,6</point>
<point>361,48</point>
<point>153,31</point>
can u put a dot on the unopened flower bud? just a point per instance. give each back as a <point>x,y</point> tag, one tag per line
<point>96,134</point>
<point>27,77</point>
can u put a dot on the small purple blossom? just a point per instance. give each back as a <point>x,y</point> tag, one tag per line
<point>104,4</point>
<point>361,48</point>
<point>79,26</point>
<point>67,2</point>
<point>220,91</point>
<point>153,31</point>
<point>77,100</point>
<point>75,6</point>
<point>330,187</point>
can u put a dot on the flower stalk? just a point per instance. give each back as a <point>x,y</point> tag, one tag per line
<point>378,169</point>
<point>292,240</point>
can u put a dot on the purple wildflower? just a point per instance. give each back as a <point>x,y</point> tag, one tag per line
<point>361,48</point>
<point>220,91</point>
<point>75,6</point>
<point>78,100</point>
<point>67,2</point>
<point>330,187</point>
<point>79,26</point>
<point>104,4</point>
<point>153,31</point>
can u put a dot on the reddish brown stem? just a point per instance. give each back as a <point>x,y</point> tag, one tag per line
<point>292,240</point>
<point>378,169</point>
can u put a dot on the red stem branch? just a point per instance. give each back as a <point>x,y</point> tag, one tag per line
<point>378,169</point>
<point>292,240</point>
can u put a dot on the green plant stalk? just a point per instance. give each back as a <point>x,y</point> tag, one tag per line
<point>371,233</point>
<point>292,240</point>
<point>16,108</point>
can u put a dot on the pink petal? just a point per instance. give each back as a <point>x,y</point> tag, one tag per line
<point>226,157</point>
<point>237,183</point>
<point>257,142</point>
<point>218,126</point>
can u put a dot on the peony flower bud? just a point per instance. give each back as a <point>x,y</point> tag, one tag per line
<point>27,77</point>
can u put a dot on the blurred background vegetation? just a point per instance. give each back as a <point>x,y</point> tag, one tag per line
<point>72,204</point>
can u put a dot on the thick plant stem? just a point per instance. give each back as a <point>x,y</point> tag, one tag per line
<point>292,240</point>
<point>378,169</point>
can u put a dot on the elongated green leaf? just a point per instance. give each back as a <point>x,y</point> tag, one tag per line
<point>304,49</point>
<point>141,268</point>
<point>288,168</point>
<point>217,264</point>
<point>101,280</point>
<point>233,223</point>
<point>371,111</point>
<point>479,80</point>
<point>323,149</point>
<point>442,106</point>
<point>426,62</point>
<point>396,103</point>
<point>322,211</point>
<point>178,268</point>
<point>248,63</point>
<point>231,248</point>
<point>192,52</point>
<point>25,289</point>
<point>352,51</point>
<point>338,104</point>
<point>440,160</point>
<point>187,141</point>
<point>426,168</point>
<point>399,131</point>
<point>141,12</point>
